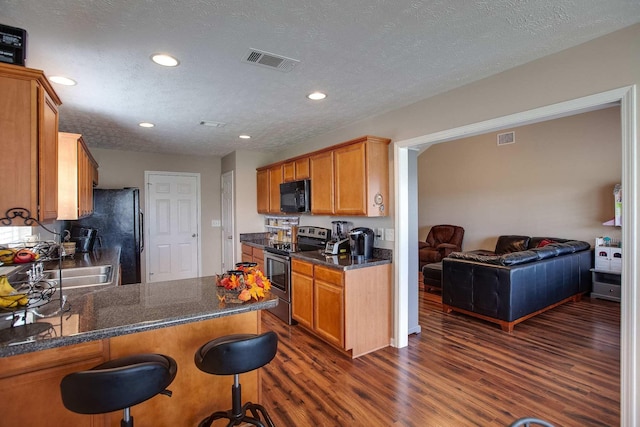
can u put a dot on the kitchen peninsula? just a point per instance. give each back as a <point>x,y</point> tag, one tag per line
<point>174,318</point>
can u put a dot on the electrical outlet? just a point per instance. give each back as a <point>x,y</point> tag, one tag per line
<point>216,223</point>
<point>389,234</point>
<point>379,234</point>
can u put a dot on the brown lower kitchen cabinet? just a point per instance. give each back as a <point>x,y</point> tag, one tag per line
<point>253,254</point>
<point>302,288</point>
<point>30,386</point>
<point>350,309</point>
<point>328,297</point>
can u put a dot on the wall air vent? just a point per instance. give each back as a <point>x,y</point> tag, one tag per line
<point>506,138</point>
<point>270,60</point>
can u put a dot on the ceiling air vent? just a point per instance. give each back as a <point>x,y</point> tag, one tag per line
<point>506,138</point>
<point>270,60</point>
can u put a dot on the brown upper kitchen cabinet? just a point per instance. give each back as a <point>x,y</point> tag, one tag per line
<point>269,179</point>
<point>351,178</point>
<point>289,172</point>
<point>262,187</point>
<point>295,170</point>
<point>362,177</point>
<point>275,179</point>
<point>322,184</point>
<point>29,141</point>
<point>77,173</point>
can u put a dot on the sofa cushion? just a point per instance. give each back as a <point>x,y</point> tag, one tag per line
<point>556,248</point>
<point>563,248</point>
<point>515,258</point>
<point>470,256</point>
<point>578,245</point>
<point>512,243</point>
<point>545,252</point>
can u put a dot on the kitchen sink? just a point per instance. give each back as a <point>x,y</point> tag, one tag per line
<point>81,277</point>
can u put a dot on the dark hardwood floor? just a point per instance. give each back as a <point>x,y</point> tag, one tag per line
<point>562,366</point>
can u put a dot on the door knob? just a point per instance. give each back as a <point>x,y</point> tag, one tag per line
<point>230,237</point>
<point>194,235</point>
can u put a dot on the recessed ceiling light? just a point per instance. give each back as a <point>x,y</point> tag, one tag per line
<point>317,96</point>
<point>146,125</point>
<point>165,60</point>
<point>244,136</point>
<point>63,80</point>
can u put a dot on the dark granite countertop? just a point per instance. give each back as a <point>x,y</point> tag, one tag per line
<point>341,262</point>
<point>256,243</point>
<point>92,314</point>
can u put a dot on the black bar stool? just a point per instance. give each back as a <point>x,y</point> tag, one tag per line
<point>234,355</point>
<point>118,384</point>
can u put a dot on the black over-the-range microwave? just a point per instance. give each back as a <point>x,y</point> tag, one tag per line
<point>295,196</point>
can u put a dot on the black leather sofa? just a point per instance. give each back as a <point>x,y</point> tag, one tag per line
<point>524,276</point>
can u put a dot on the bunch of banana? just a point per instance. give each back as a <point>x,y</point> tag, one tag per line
<point>9,297</point>
<point>6,255</point>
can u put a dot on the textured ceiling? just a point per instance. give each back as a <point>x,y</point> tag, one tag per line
<point>370,56</point>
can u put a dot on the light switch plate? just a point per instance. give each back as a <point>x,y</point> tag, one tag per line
<point>389,234</point>
<point>216,223</point>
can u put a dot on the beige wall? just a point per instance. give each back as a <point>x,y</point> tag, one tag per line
<point>126,169</point>
<point>244,164</point>
<point>556,180</point>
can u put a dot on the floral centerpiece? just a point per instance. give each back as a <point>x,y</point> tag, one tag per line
<point>247,281</point>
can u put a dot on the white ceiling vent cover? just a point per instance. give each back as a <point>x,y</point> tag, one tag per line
<point>506,138</point>
<point>270,60</point>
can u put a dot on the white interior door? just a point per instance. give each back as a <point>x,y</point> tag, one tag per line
<point>173,210</point>
<point>228,229</point>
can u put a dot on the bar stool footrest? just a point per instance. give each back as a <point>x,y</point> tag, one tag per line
<point>236,419</point>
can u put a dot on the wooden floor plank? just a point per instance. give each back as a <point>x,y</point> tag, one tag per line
<point>562,365</point>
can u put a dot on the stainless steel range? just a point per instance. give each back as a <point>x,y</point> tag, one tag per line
<point>277,265</point>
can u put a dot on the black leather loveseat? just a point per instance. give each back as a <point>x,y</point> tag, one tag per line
<point>524,276</point>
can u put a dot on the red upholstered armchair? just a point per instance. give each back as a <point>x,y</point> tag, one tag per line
<point>441,241</point>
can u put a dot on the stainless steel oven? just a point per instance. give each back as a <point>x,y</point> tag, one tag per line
<point>278,271</point>
<point>277,265</point>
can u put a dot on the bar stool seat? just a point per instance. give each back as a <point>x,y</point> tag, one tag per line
<point>234,355</point>
<point>118,384</point>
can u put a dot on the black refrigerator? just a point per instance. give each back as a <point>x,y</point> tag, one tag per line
<point>119,222</point>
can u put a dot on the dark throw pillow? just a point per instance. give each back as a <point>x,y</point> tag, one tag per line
<point>544,243</point>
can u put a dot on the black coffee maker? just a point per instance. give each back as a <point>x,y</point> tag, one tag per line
<point>84,237</point>
<point>361,242</point>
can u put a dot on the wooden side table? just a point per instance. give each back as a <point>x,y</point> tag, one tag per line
<point>606,285</point>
